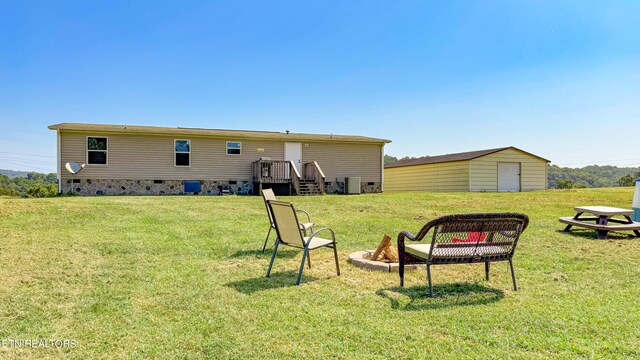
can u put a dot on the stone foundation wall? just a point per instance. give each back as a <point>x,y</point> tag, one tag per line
<point>376,187</point>
<point>149,187</point>
<point>176,187</point>
<point>338,187</point>
<point>334,187</point>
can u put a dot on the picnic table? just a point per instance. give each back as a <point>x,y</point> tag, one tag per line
<point>603,220</point>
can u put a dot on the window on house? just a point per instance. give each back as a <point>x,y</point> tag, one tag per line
<point>182,152</point>
<point>234,148</point>
<point>96,150</point>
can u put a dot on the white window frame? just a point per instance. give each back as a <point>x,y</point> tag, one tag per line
<point>86,144</point>
<point>226,150</point>
<point>181,152</point>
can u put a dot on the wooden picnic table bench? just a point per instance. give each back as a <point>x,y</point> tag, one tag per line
<point>603,221</point>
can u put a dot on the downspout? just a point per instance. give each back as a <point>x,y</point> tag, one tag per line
<point>58,166</point>
<point>382,168</point>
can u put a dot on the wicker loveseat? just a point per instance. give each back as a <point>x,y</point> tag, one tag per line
<point>463,238</point>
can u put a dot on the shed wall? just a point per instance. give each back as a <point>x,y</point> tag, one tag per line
<point>441,177</point>
<point>484,171</point>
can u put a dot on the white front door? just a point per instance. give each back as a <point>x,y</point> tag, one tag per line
<point>293,152</point>
<point>509,177</point>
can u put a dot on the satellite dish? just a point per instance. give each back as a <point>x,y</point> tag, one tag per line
<point>73,167</point>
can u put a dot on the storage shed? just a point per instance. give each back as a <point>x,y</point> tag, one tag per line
<point>506,169</point>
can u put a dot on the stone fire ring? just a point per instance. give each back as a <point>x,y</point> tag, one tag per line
<point>359,259</point>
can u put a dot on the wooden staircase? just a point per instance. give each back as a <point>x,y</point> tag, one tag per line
<point>309,187</point>
<point>271,172</point>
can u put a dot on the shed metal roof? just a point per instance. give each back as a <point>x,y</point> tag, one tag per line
<point>454,157</point>
<point>267,135</point>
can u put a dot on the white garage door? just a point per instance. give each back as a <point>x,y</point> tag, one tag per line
<point>509,177</point>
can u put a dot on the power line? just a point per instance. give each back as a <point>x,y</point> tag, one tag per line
<point>12,153</point>
<point>27,161</point>
<point>32,166</point>
<point>600,161</point>
<point>621,161</point>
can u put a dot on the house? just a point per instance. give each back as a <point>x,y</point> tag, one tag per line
<point>125,159</point>
<point>502,169</point>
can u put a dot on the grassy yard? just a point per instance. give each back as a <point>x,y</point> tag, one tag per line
<point>183,277</point>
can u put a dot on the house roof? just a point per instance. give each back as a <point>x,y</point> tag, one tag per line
<point>454,157</point>
<point>268,135</point>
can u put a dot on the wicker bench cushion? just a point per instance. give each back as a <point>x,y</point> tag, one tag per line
<point>422,251</point>
<point>418,250</point>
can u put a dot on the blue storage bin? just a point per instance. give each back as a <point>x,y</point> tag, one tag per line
<point>192,186</point>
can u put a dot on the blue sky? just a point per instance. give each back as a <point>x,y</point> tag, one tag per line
<point>556,78</point>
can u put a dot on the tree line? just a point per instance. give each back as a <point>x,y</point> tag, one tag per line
<point>593,176</point>
<point>33,184</point>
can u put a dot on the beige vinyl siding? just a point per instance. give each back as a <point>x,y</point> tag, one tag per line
<point>151,157</point>
<point>340,160</point>
<point>484,171</point>
<point>441,177</point>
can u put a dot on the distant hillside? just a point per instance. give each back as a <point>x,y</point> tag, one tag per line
<point>590,176</point>
<point>32,184</point>
<point>13,173</point>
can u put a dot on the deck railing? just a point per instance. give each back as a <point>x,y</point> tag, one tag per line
<point>295,177</point>
<point>275,172</point>
<point>312,171</point>
<point>271,171</point>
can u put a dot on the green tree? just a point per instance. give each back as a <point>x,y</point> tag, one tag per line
<point>51,178</point>
<point>582,184</point>
<point>407,158</point>
<point>40,191</point>
<point>564,184</point>
<point>8,192</point>
<point>42,184</point>
<point>388,159</point>
<point>627,180</point>
<point>35,176</point>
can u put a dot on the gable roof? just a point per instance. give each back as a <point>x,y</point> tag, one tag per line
<point>267,135</point>
<point>454,157</point>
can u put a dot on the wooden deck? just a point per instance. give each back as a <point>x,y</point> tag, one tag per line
<point>270,172</point>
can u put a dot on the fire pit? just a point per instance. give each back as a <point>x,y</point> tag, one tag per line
<point>384,258</point>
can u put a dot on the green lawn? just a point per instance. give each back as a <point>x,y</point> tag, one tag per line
<point>183,277</point>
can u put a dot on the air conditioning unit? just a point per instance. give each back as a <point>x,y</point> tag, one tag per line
<point>352,185</point>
